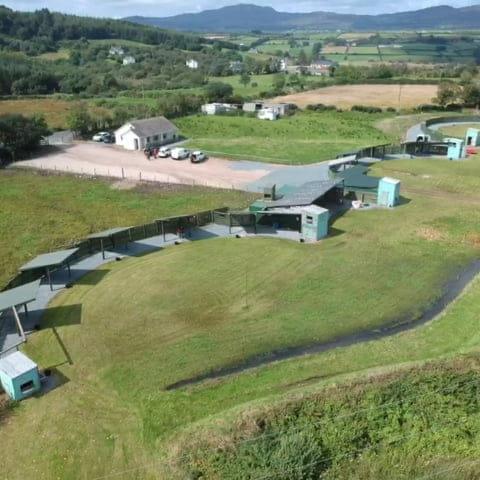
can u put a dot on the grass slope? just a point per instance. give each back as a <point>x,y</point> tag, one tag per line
<point>303,138</point>
<point>62,209</point>
<point>188,313</point>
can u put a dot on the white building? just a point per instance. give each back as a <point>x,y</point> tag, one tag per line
<point>129,60</point>
<point>217,108</point>
<point>193,64</point>
<point>116,51</point>
<point>267,114</point>
<point>139,134</point>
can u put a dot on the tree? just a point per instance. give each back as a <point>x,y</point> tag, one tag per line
<point>448,92</point>
<point>245,79</point>
<point>471,95</point>
<point>316,49</point>
<point>80,120</point>
<point>302,58</point>
<point>20,135</point>
<point>218,91</point>
<point>279,82</point>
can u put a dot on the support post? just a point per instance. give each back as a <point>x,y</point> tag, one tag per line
<point>163,231</point>
<point>49,278</point>
<point>19,323</point>
<point>229,223</point>
<point>26,310</point>
<point>69,270</point>
<point>103,250</point>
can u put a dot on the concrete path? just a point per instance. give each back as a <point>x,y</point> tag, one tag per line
<point>9,337</point>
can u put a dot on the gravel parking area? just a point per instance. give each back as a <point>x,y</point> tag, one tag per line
<point>108,160</point>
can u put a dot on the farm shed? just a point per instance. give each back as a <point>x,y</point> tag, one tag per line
<point>252,107</point>
<point>19,376</point>
<point>456,148</point>
<point>19,297</point>
<point>472,138</point>
<point>314,223</point>
<point>140,134</point>
<point>49,262</point>
<point>388,192</point>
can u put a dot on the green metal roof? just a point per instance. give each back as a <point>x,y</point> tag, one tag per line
<point>356,177</point>
<point>108,233</point>
<point>53,259</point>
<point>19,295</point>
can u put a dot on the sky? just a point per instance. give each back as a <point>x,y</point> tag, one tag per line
<point>165,8</point>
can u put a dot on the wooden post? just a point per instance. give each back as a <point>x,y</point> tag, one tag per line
<point>49,277</point>
<point>19,324</point>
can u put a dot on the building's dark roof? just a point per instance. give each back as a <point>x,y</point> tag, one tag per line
<point>53,259</point>
<point>108,233</point>
<point>306,194</point>
<point>19,295</point>
<point>152,126</point>
<point>356,177</point>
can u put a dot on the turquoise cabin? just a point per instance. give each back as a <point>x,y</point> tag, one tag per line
<point>388,192</point>
<point>314,223</point>
<point>19,376</point>
<point>456,148</point>
<point>472,138</point>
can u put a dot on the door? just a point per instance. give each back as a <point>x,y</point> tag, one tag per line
<point>135,143</point>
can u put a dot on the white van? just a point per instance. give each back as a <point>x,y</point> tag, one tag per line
<point>179,153</point>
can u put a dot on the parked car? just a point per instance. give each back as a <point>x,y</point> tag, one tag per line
<point>164,152</point>
<point>101,136</point>
<point>180,153</point>
<point>197,157</point>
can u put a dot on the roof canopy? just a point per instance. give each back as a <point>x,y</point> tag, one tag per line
<point>306,194</point>
<point>16,364</point>
<point>108,233</point>
<point>19,296</point>
<point>53,259</point>
<point>356,177</point>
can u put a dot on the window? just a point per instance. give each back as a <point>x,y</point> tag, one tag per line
<point>26,387</point>
<point>155,138</point>
<point>148,139</point>
<point>309,219</point>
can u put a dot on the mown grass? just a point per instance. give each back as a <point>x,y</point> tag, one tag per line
<point>136,326</point>
<point>41,213</point>
<point>458,131</point>
<point>303,138</point>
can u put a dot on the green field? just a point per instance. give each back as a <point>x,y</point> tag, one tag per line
<point>303,138</point>
<point>458,131</point>
<point>134,327</point>
<point>64,209</point>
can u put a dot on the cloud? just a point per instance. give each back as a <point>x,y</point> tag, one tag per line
<point>163,8</point>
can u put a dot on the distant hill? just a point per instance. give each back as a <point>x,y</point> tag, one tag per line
<point>241,18</point>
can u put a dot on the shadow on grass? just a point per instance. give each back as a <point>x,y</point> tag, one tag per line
<point>88,277</point>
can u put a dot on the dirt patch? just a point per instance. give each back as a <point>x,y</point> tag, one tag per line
<point>124,185</point>
<point>431,234</point>
<point>345,96</point>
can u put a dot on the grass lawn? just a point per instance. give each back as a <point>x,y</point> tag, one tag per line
<point>62,209</point>
<point>136,326</point>
<point>303,138</point>
<point>458,131</point>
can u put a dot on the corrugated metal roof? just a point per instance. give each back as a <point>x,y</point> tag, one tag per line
<point>19,295</point>
<point>16,364</point>
<point>152,126</point>
<point>306,194</point>
<point>52,259</point>
<point>108,233</point>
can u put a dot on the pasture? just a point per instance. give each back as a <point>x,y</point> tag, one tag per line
<point>303,138</point>
<point>132,328</point>
<point>345,96</point>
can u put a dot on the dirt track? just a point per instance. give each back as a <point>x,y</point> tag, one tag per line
<point>345,96</point>
<point>107,160</point>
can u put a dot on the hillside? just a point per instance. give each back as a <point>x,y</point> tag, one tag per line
<point>251,17</point>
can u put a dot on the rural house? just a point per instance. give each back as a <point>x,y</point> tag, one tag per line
<point>116,51</point>
<point>129,60</point>
<point>193,64</point>
<point>139,134</point>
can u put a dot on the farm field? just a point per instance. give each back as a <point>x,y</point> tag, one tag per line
<point>303,138</point>
<point>345,96</point>
<point>64,209</point>
<point>238,306</point>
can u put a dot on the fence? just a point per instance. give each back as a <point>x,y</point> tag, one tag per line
<point>163,226</point>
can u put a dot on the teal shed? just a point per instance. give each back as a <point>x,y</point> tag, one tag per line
<point>388,192</point>
<point>314,223</point>
<point>456,148</point>
<point>472,138</point>
<point>19,376</point>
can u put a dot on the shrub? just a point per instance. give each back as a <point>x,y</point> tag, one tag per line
<point>366,109</point>
<point>320,107</point>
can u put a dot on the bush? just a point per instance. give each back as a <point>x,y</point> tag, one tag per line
<point>391,110</point>
<point>320,107</point>
<point>366,109</point>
